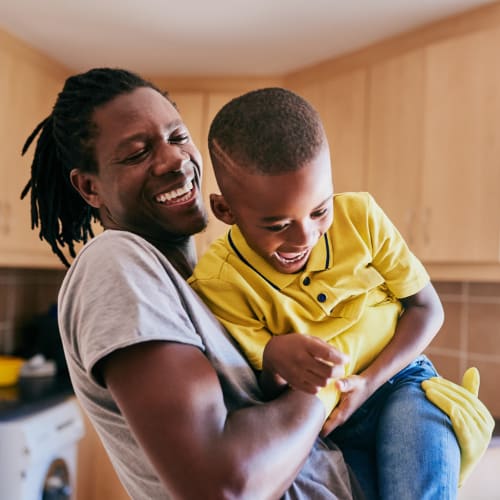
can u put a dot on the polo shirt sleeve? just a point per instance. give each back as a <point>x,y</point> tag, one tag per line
<point>403,272</point>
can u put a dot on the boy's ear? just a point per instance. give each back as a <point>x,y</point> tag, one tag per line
<point>221,209</point>
<point>85,184</point>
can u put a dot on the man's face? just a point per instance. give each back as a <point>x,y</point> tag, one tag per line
<point>283,216</point>
<point>148,179</point>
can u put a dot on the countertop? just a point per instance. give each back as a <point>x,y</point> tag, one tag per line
<point>33,394</point>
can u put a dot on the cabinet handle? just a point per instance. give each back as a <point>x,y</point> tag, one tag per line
<point>2,218</point>
<point>6,216</point>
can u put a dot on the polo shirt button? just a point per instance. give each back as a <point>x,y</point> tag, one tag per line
<point>306,281</point>
<point>321,297</point>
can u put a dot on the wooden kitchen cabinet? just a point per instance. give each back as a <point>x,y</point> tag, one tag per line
<point>433,158</point>
<point>461,151</point>
<point>27,93</point>
<point>191,106</point>
<point>343,113</point>
<point>430,106</point>
<point>394,142</point>
<point>341,103</point>
<point>96,478</point>
<point>6,63</point>
<point>197,109</point>
<point>215,101</point>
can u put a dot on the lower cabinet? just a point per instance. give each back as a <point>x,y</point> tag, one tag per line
<point>96,478</point>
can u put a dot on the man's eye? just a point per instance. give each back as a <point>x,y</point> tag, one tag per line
<point>179,139</point>
<point>137,156</point>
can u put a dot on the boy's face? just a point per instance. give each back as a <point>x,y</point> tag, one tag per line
<point>282,216</point>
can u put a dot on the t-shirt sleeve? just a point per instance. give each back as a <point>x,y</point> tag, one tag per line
<point>118,294</point>
<point>232,307</point>
<point>233,301</point>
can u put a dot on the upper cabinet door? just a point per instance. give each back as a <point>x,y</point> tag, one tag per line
<point>394,144</point>
<point>215,101</point>
<point>341,103</point>
<point>29,91</point>
<point>344,118</point>
<point>461,150</point>
<point>191,107</point>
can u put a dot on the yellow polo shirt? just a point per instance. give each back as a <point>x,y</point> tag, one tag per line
<point>347,294</point>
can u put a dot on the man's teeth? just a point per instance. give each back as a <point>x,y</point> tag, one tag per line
<point>176,193</point>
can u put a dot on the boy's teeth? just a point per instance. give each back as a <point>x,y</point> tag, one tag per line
<point>176,193</point>
<point>291,257</point>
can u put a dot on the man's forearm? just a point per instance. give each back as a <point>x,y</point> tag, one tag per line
<point>278,437</point>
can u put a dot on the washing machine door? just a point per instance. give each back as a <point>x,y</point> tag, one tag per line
<point>57,484</point>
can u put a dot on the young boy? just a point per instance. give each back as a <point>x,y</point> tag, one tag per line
<point>302,271</point>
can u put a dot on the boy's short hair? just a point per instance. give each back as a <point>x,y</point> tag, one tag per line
<point>267,131</point>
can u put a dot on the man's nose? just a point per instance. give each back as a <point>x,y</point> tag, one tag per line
<point>169,158</point>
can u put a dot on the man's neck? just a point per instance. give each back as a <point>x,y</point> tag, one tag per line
<point>181,254</point>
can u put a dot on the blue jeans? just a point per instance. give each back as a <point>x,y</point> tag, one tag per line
<point>399,445</point>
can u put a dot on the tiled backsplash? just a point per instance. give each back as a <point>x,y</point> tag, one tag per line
<point>24,294</point>
<point>470,335</point>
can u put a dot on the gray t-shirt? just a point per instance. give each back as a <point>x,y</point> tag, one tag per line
<point>121,291</point>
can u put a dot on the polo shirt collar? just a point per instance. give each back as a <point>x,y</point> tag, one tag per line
<point>320,259</point>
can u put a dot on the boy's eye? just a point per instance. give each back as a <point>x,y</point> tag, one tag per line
<point>319,213</point>
<point>277,228</point>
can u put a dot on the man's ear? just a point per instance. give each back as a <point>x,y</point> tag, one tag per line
<point>221,209</point>
<point>84,183</point>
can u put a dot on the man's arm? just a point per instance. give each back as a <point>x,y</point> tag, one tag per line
<point>172,399</point>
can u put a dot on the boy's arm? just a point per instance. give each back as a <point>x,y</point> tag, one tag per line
<point>419,323</point>
<point>303,362</point>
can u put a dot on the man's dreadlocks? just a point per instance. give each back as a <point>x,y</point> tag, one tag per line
<point>66,141</point>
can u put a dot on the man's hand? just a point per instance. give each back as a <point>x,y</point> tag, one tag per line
<point>471,420</point>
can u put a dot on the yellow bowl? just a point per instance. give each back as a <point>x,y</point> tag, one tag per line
<point>10,366</point>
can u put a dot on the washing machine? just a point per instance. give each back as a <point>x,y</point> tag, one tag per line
<point>38,453</point>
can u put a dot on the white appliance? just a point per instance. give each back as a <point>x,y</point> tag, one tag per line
<point>38,453</point>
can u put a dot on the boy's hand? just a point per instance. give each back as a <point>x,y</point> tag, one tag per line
<point>354,392</point>
<point>471,420</point>
<point>306,363</point>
